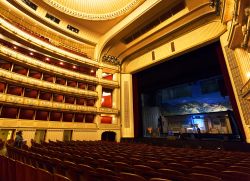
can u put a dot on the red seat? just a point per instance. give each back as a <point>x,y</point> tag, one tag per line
<point>123,167</point>
<point>235,176</point>
<point>204,177</point>
<point>11,170</point>
<point>57,177</point>
<point>131,177</point>
<point>43,175</point>
<point>72,170</point>
<point>29,172</point>
<point>86,171</point>
<point>239,169</point>
<point>172,174</point>
<point>20,173</point>
<point>4,168</point>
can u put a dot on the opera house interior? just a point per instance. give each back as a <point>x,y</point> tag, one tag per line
<point>125,90</point>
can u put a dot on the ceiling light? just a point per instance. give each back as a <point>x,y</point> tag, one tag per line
<point>61,63</point>
<point>92,71</point>
<point>74,67</point>
<point>31,53</point>
<point>47,59</point>
<point>15,47</point>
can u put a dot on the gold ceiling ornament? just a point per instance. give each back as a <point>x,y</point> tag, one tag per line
<point>94,9</point>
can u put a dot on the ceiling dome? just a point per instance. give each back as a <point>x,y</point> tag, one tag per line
<point>94,9</point>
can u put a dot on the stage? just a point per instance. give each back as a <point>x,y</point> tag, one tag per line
<point>194,142</point>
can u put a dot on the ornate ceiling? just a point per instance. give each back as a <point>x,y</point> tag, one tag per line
<point>94,9</point>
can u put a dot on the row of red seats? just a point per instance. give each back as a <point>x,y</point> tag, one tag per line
<point>112,159</point>
<point>12,170</point>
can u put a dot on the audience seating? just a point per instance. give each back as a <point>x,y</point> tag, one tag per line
<point>204,177</point>
<point>106,161</point>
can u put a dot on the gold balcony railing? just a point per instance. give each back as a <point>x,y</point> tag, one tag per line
<point>20,101</point>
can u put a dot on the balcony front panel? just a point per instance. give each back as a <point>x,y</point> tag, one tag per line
<point>11,77</point>
<point>19,101</point>
<point>103,110</point>
<point>15,123</point>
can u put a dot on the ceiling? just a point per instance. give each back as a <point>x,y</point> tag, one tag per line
<point>98,16</point>
<point>94,9</point>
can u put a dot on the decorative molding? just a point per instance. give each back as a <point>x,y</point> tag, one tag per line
<point>235,12</point>
<point>109,66</point>
<point>238,83</point>
<point>89,16</point>
<point>246,29</point>
<point>108,83</point>
<point>108,110</point>
<point>44,85</point>
<point>109,126</point>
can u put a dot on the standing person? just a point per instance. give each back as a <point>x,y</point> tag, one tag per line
<point>160,125</point>
<point>19,139</point>
<point>198,132</point>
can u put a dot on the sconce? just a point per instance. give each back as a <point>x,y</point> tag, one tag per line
<point>110,59</point>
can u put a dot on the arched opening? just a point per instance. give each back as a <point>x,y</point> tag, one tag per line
<point>108,136</point>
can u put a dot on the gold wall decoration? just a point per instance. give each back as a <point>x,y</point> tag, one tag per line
<point>6,26</point>
<point>23,59</point>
